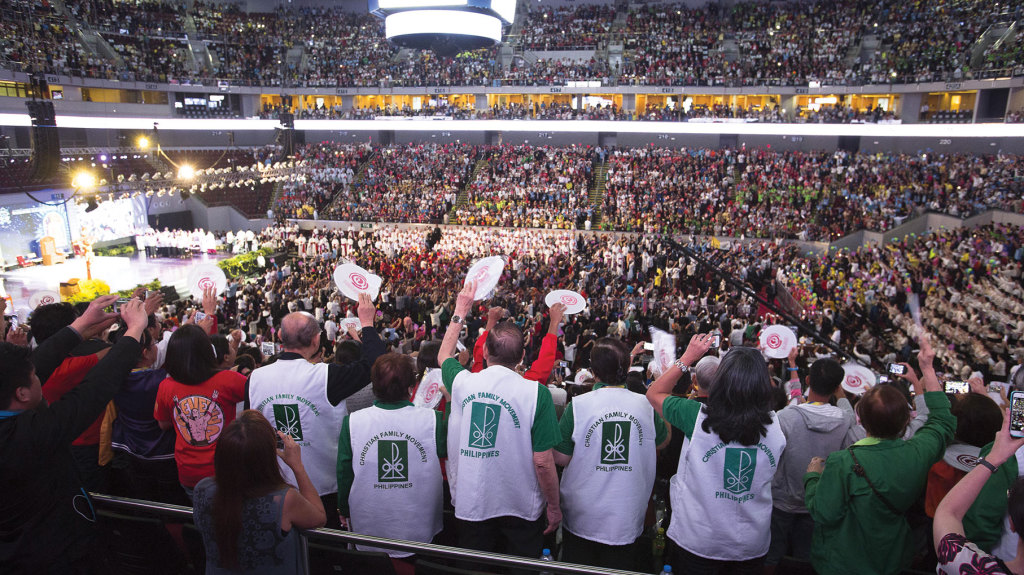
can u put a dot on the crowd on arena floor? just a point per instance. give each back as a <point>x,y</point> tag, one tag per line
<point>750,44</point>
<point>171,377</point>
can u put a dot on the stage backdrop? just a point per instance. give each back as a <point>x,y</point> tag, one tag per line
<point>23,221</point>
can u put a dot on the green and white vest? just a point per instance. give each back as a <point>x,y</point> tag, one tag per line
<point>396,490</point>
<point>606,487</point>
<point>722,494</point>
<point>490,446</point>
<point>292,395</point>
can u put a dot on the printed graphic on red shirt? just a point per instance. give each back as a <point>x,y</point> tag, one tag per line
<point>199,419</point>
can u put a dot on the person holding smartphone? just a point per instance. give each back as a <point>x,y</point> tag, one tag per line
<point>860,495</point>
<point>954,550</point>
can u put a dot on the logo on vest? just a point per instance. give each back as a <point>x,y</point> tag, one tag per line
<point>286,419</point>
<point>615,442</point>
<point>483,425</point>
<point>740,463</point>
<point>393,461</point>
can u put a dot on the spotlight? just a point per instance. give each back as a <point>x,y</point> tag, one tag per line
<point>142,143</point>
<point>84,181</point>
<point>186,172</point>
<point>185,194</point>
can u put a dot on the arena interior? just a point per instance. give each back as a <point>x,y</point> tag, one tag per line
<point>554,286</point>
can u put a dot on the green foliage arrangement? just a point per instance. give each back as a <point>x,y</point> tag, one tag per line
<point>244,264</point>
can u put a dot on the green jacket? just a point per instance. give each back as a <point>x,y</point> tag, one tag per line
<point>983,524</point>
<point>854,531</point>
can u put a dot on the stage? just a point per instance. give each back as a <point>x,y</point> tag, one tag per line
<point>120,272</point>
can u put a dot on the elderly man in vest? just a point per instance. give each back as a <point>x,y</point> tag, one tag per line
<point>307,400</point>
<point>502,431</point>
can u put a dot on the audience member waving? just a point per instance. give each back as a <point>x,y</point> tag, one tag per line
<point>722,491</point>
<point>859,496</point>
<point>955,553</point>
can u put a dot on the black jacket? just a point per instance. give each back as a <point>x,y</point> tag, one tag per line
<point>43,525</point>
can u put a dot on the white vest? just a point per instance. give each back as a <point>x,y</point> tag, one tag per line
<point>292,395</point>
<point>490,446</point>
<point>607,484</point>
<point>722,494</point>
<point>396,491</point>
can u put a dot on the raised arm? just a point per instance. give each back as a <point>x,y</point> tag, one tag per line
<point>463,304</point>
<point>949,516</point>
<point>49,355</point>
<point>662,387</point>
<point>79,408</point>
<point>344,380</point>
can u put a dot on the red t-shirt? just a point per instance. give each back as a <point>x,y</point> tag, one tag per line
<point>67,376</point>
<point>199,413</point>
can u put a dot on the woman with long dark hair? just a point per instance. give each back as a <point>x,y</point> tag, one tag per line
<point>246,512</point>
<point>722,489</point>
<point>610,438</point>
<point>198,400</point>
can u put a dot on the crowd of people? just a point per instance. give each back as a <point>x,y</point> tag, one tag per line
<point>750,44</point>
<point>754,193</point>
<point>567,27</point>
<point>333,170</point>
<point>416,183</point>
<point>780,458</point>
<point>797,194</point>
<point>529,186</point>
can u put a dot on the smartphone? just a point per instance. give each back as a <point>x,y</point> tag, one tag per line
<point>897,369</point>
<point>957,387</point>
<point>716,341</point>
<point>1017,414</point>
<point>883,379</point>
<point>280,443</point>
<point>120,302</point>
<point>648,346</point>
<point>563,364</point>
<point>200,316</point>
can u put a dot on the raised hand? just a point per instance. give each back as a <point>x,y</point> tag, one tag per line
<point>367,312</point>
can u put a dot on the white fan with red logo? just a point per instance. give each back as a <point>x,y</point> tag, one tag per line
<point>573,301</point>
<point>205,275</point>
<point>486,272</point>
<point>428,393</point>
<point>777,341</point>
<point>857,379</point>
<point>43,297</point>
<point>353,280</point>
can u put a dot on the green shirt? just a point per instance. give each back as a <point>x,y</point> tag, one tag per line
<point>681,413</point>
<point>567,423</point>
<point>983,523</point>
<point>345,472</point>
<point>544,433</point>
<point>846,509</point>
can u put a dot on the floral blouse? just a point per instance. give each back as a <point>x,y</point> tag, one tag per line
<point>958,556</point>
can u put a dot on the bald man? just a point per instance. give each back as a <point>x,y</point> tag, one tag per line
<point>306,400</point>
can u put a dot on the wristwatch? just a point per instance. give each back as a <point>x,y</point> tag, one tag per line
<point>682,366</point>
<point>459,320</point>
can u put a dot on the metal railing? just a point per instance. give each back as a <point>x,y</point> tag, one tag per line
<point>341,538</point>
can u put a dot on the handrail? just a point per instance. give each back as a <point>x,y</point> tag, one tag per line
<point>334,536</point>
